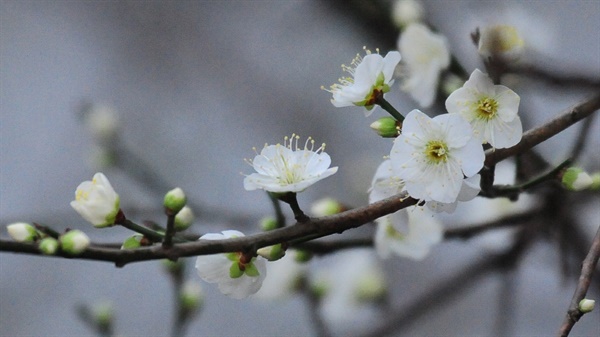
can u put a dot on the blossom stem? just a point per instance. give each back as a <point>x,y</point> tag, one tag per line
<point>278,213</point>
<point>382,102</point>
<point>168,240</point>
<point>290,198</point>
<point>150,234</point>
<point>46,230</point>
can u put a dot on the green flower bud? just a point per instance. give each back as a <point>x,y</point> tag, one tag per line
<point>595,181</point>
<point>132,242</point>
<point>387,127</point>
<point>175,199</point>
<point>184,219</point>
<point>586,305</point>
<point>272,253</point>
<point>268,223</point>
<point>48,246</point>
<point>103,314</point>
<point>325,207</point>
<point>191,296</point>
<point>371,287</point>
<point>22,232</point>
<point>74,242</point>
<point>575,179</point>
<point>302,256</point>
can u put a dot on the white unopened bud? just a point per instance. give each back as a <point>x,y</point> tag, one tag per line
<point>586,305</point>
<point>268,223</point>
<point>103,123</point>
<point>386,127</point>
<point>575,179</point>
<point>191,296</point>
<point>175,200</point>
<point>501,41</point>
<point>184,219</point>
<point>325,207</point>
<point>272,253</point>
<point>22,232</point>
<point>74,242</point>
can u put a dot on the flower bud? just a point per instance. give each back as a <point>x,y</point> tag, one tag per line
<point>371,288</point>
<point>48,246</point>
<point>325,207</point>
<point>96,201</point>
<point>575,179</point>
<point>184,219</point>
<point>387,127</point>
<point>22,232</point>
<point>175,200</point>
<point>272,253</point>
<point>501,41</point>
<point>302,256</point>
<point>191,297</point>
<point>586,305</point>
<point>595,181</point>
<point>133,242</point>
<point>405,12</point>
<point>74,242</point>
<point>103,123</point>
<point>103,314</point>
<point>268,223</point>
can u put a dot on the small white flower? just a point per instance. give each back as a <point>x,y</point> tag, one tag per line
<point>502,41</point>
<point>425,56</point>
<point>288,168</point>
<point>433,155</point>
<point>236,274</point>
<point>491,110</point>
<point>414,242</point>
<point>96,201</point>
<point>371,77</point>
<point>184,219</point>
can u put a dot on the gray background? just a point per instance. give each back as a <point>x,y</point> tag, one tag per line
<point>197,85</point>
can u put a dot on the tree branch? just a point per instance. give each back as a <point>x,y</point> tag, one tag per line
<point>587,270</point>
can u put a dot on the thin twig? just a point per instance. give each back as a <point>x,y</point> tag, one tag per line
<point>587,270</point>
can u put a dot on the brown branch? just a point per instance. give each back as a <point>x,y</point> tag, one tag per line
<point>540,134</point>
<point>587,270</point>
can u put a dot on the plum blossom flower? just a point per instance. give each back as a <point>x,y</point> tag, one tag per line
<point>371,77</point>
<point>502,41</point>
<point>414,242</point>
<point>96,201</point>
<point>237,275</point>
<point>468,191</point>
<point>433,155</point>
<point>425,56</point>
<point>288,168</point>
<point>491,110</point>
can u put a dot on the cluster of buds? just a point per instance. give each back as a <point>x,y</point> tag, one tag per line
<point>73,242</point>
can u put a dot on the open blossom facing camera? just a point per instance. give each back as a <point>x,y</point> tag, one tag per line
<point>425,56</point>
<point>237,275</point>
<point>288,168</point>
<point>491,110</point>
<point>433,155</point>
<point>371,77</point>
<point>96,201</point>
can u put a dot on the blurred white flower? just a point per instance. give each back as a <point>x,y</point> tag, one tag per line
<point>236,275</point>
<point>432,155</point>
<point>405,12</point>
<point>96,201</point>
<point>103,123</point>
<point>500,41</point>
<point>491,110</point>
<point>425,55</point>
<point>371,76</point>
<point>288,168</point>
<point>415,242</point>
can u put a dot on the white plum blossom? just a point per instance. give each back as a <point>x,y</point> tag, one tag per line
<point>405,12</point>
<point>96,201</point>
<point>501,41</point>
<point>425,55</point>
<point>433,155</point>
<point>371,77</point>
<point>491,110</point>
<point>468,191</point>
<point>237,275</point>
<point>288,168</point>
<point>407,233</point>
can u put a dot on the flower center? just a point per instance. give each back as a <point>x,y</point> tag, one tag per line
<point>487,108</point>
<point>436,151</point>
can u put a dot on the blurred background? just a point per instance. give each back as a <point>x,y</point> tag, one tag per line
<point>196,85</point>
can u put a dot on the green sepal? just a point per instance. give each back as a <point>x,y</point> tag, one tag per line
<point>235,271</point>
<point>251,270</point>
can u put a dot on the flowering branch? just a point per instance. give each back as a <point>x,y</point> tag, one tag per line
<point>589,264</point>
